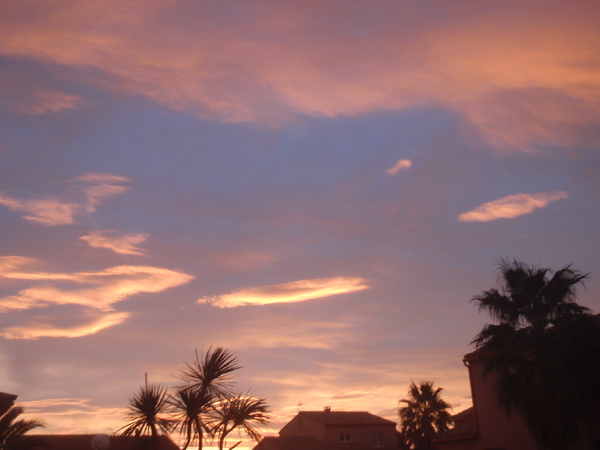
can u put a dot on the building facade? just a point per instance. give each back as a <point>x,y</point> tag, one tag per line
<point>487,426</point>
<point>334,430</point>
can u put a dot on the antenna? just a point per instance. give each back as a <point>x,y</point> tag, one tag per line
<point>146,379</point>
<point>299,405</point>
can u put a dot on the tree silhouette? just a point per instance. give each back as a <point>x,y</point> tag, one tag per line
<point>202,407</point>
<point>241,412</point>
<point>544,352</point>
<point>192,414</point>
<point>425,413</point>
<point>212,373</point>
<point>11,428</point>
<point>208,380</point>
<point>148,413</point>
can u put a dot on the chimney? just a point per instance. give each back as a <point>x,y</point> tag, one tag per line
<point>328,409</point>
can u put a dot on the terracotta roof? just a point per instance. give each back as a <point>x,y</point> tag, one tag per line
<point>465,427</point>
<point>305,443</point>
<point>84,442</point>
<point>344,418</point>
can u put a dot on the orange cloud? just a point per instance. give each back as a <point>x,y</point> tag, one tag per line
<point>103,288</point>
<point>288,60</point>
<point>66,415</point>
<point>294,291</point>
<point>36,330</point>
<point>400,165</point>
<point>96,292</point>
<point>124,245</point>
<point>53,211</point>
<point>511,206</point>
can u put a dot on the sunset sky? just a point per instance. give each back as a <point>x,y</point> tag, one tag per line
<point>319,186</point>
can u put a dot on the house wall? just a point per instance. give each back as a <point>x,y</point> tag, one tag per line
<point>364,435</point>
<point>497,430</point>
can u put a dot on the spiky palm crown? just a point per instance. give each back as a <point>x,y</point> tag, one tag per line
<point>543,350</point>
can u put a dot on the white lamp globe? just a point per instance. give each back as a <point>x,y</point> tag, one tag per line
<point>100,442</point>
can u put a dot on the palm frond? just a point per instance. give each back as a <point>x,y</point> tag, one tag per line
<point>212,372</point>
<point>11,428</point>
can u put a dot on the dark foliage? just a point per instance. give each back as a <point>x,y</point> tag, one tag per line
<point>425,413</point>
<point>543,352</point>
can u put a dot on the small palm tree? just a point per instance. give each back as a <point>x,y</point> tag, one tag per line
<point>10,428</point>
<point>241,412</point>
<point>148,413</point>
<point>424,415</point>
<point>192,408</point>
<point>544,352</point>
<point>207,380</point>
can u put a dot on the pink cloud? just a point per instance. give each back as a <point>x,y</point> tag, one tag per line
<point>283,61</point>
<point>294,291</point>
<point>400,165</point>
<point>93,292</point>
<point>511,206</point>
<point>90,191</point>
<point>36,330</point>
<point>121,244</point>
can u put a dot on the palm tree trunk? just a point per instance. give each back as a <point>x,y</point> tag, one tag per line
<point>199,433</point>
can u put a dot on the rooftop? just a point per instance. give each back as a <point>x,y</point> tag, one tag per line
<point>354,418</point>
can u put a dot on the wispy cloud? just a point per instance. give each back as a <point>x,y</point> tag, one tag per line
<point>96,292</point>
<point>65,415</point>
<point>511,206</point>
<point>49,101</point>
<point>401,164</point>
<point>27,93</point>
<point>101,288</point>
<point>352,395</point>
<point>251,78</point>
<point>125,244</point>
<point>42,328</point>
<point>294,291</point>
<point>88,192</point>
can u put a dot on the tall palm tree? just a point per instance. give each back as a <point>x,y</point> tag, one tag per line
<point>544,350</point>
<point>11,428</point>
<point>148,413</point>
<point>207,380</point>
<point>425,413</point>
<point>240,412</point>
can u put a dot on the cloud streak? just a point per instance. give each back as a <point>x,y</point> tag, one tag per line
<point>123,245</point>
<point>95,291</point>
<point>511,206</point>
<point>40,329</point>
<point>293,291</point>
<point>102,288</point>
<point>400,165</point>
<point>89,192</point>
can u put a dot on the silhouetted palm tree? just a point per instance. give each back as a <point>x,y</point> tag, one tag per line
<point>424,415</point>
<point>544,352</point>
<point>208,380</point>
<point>148,413</point>
<point>243,412</point>
<point>11,428</point>
<point>192,408</point>
<point>211,374</point>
